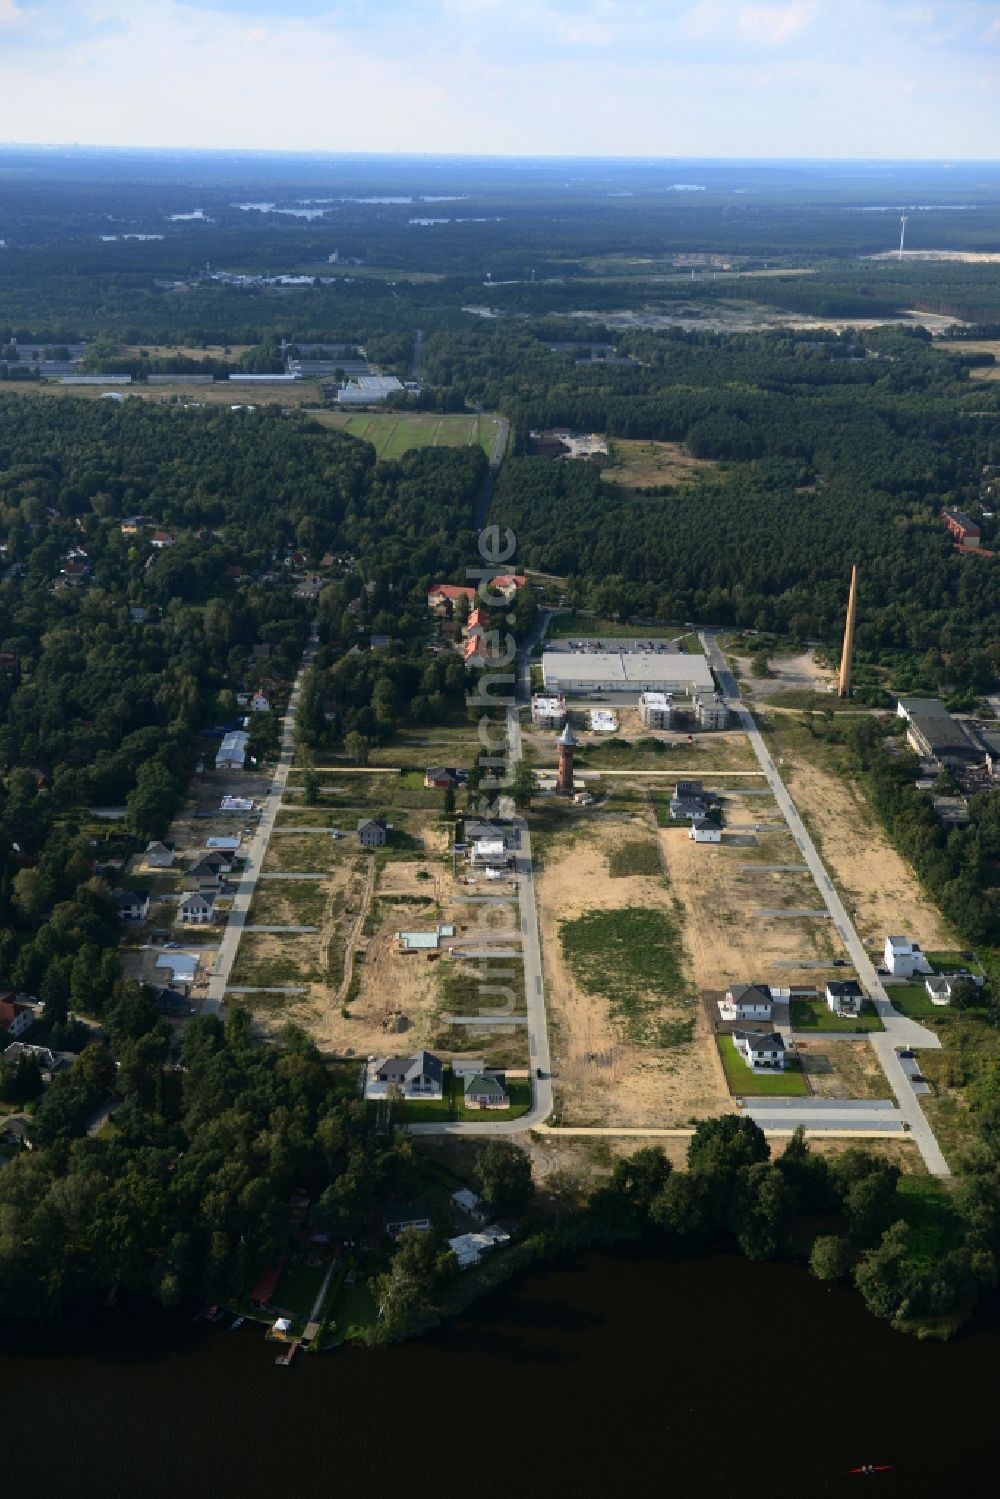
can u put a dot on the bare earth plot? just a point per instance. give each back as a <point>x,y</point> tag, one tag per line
<point>842,1069</point>
<point>878,886</point>
<point>724,942</point>
<point>600,1077</point>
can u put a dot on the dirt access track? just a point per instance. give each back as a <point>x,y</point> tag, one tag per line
<point>600,1079</point>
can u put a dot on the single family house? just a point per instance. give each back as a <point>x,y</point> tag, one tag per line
<point>904,958</point>
<point>747,1002</point>
<point>845,996</point>
<point>420,1076</point>
<point>133,905</point>
<point>485,1092</point>
<point>762,1051</point>
<point>196,908</point>
<point>372,832</point>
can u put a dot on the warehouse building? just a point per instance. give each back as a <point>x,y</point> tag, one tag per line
<point>934,735</point>
<point>366,388</point>
<point>640,671</point>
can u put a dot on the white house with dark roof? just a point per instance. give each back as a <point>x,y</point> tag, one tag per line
<point>763,1051</point>
<point>420,1076</point>
<point>941,986</point>
<point>747,1002</point>
<point>197,908</point>
<point>133,905</point>
<point>844,996</point>
<point>703,830</point>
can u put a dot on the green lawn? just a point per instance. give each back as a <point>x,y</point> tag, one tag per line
<point>953,962</point>
<point>638,856</point>
<point>913,1000</point>
<point>298,1288</point>
<point>815,1014</point>
<point>451,1105</point>
<point>353,1310</point>
<point>633,959</point>
<point>788,1084</point>
<point>518,1091</point>
<point>935,1227</point>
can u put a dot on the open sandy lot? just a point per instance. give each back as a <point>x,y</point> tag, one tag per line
<point>601,1079</point>
<point>788,674</point>
<point>842,1069</point>
<point>724,942</point>
<point>878,886</point>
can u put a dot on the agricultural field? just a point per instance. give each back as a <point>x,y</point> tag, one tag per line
<point>630,1042</point>
<point>635,464</point>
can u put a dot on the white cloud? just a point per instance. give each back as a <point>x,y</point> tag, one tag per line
<point>11,14</point>
<point>774,24</point>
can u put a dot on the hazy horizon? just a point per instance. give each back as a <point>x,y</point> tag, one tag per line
<point>694,79</point>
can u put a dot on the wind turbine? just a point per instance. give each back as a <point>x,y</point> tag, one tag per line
<point>902,234</point>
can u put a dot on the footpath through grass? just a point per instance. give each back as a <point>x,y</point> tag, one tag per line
<point>743,1082</point>
<point>631,958</point>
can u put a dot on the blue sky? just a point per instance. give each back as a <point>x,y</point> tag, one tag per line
<point>813,78</point>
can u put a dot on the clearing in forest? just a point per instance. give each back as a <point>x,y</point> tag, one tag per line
<point>637,464</point>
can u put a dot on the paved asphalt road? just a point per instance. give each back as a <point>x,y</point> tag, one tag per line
<point>496,458</point>
<point>219,981</point>
<point>898,1030</point>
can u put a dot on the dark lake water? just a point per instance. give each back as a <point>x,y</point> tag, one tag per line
<point>618,1373</point>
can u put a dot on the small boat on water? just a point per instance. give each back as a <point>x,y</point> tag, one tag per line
<point>238,1323</point>
<point>284,1359</point>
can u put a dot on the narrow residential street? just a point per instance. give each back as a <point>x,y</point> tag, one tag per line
<point>257,851</point>
<point>899,1031</point>
<point>534,981</point>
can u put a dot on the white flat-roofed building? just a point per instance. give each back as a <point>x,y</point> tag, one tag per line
<point>548,712</point>
<point>585,671</point>
<point>602,721</point>
<point>656,710</point>
<point>365,388</point>
<point>490,852</point>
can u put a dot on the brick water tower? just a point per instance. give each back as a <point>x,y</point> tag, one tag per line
<point>567,743</point>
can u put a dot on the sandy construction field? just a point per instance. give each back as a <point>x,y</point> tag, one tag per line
<point>601,1079</point>
<point>879,888</point>
<point>842,1069</point>
<point>724,941</point>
